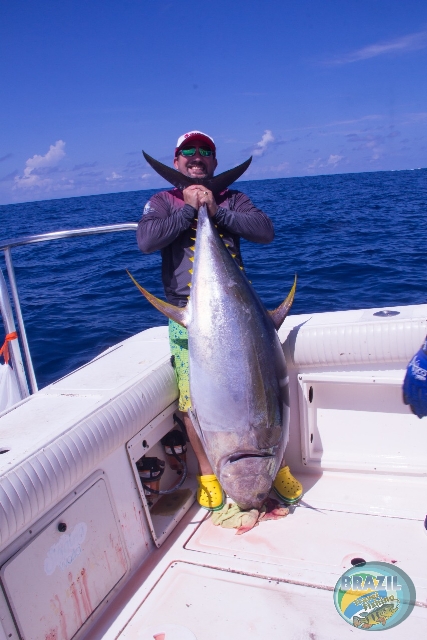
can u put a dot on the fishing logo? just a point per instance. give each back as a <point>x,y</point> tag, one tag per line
<point>417,370</point>
<point>374,596</point>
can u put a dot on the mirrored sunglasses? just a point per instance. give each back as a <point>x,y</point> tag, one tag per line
<point>187,152</point>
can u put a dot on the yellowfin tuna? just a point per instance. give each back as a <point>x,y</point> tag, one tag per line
<point>239,383</point>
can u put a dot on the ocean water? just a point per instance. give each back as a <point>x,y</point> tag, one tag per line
<point>355,241</point>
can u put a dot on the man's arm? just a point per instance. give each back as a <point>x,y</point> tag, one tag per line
<point>161,224</point>
<point>245,220</point>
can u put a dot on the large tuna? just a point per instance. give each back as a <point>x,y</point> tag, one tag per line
<point>238,376</point>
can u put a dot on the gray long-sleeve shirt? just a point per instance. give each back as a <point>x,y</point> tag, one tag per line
<point>169,224</point>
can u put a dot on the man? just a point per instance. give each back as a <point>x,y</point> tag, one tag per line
<point>169,223</point>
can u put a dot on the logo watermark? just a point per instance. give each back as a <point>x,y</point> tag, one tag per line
<point>374,596</point>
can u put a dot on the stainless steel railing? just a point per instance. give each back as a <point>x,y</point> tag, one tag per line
<point>5,302</point>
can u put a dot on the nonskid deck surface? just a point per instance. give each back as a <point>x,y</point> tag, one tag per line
<point>275,581</point>
<point>199,602</point>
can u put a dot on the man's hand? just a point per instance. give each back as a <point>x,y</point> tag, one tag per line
<point>196,195</point>
<point>191,195</point>
<point>206,197</point>
<point>415,383</point>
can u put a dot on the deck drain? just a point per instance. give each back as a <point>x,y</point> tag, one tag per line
<point>2,450</point>
<point>356,561</point>
<point>425,525</point>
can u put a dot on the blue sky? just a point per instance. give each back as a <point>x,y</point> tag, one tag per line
<point>310,87</point>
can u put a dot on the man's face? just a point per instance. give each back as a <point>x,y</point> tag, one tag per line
<point>196,166</point>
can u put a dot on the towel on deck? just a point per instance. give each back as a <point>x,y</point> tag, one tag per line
<point>231,516</point>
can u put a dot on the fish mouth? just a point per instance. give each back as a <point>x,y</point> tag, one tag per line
<point>247,477</point>
<point>242,456</point>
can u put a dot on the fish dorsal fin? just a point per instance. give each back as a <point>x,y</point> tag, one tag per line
<point>178,314</point>
<point>279,314</point>
<point>217,184</point>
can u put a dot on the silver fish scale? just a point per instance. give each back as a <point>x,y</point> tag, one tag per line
<point>237,373</point>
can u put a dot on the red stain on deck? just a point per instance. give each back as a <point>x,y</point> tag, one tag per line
<point>75,599</point>
<point>85,593</point>
<point>115,544</point>
<point>107,561</point>
<point>52,635</point>
<point>138,518</point>
<point>119,552</point>
<point>60,612</point>
<point>121,556</point>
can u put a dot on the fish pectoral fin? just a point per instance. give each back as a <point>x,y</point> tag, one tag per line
<point>177,314</point>
<point>279,314</point>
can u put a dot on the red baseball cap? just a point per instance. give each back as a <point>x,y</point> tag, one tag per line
<point>193,136</point>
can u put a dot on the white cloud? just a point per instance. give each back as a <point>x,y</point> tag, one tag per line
<point>114,176</point>
<point>283,167</point>
<point>411,42</point>
<point>53,156</point>
<point>38,168</point>
<point>370,142</point>
<point>321,163</point>
<point>315,164</point>
<point>334,160</point>
<point>261,146</point>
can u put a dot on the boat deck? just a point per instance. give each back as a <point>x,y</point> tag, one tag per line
<point>277,580</point>
<point>69,458</point>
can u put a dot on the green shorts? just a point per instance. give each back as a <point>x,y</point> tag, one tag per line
<point>178,340</point>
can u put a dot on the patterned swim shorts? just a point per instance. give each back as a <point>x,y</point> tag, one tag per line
<point>178,340</point>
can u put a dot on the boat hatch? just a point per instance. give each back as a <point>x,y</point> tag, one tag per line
<point>67,569</point>
<point>162,511</point>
